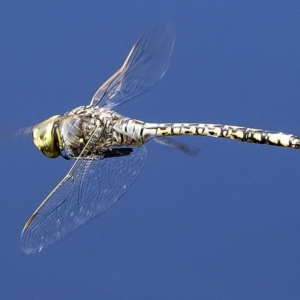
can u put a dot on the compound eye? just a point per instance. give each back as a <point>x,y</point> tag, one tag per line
<point>43,135</point>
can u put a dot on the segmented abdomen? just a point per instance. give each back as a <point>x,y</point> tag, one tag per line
<point>238,133</point>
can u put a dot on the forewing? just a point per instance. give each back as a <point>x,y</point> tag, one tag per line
<point>145,65</point>
<point>89,189</point>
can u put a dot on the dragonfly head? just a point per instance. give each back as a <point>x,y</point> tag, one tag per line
<point>45,137</point>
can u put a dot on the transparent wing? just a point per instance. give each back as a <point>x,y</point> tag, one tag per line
<point>165,141</point>
<point>15,133</point>
<point>146,63</point>
<point>89,189</point>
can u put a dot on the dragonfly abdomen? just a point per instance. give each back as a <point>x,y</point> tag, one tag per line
<point>242,134</point>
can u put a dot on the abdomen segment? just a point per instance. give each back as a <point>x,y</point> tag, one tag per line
<point>242,134</point>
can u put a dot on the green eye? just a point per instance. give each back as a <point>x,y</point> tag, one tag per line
<point>43,135</point>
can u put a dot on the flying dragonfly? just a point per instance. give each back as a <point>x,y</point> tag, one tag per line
<point>108,149</point>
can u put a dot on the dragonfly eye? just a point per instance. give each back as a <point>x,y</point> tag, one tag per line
<point>43,135</point>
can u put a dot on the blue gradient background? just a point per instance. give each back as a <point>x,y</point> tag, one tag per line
<point>223,225</point>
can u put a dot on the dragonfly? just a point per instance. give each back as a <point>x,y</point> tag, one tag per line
<point>108,149</point>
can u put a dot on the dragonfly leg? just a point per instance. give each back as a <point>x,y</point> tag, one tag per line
<point>117,152</point>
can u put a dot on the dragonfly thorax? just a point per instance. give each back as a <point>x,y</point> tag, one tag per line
<point>46,137</point>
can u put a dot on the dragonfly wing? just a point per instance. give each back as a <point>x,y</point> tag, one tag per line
<point>166,141</point>
<point>145,65</point>
<point>89,189</point>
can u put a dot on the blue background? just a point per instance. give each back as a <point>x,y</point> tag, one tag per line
<point>223,225</point>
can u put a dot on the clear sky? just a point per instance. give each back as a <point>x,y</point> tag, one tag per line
<point>223,225</point>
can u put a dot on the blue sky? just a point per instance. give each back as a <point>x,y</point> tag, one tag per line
<point>223,225</point>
